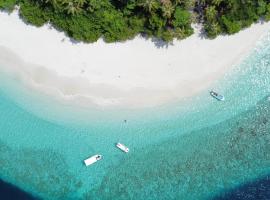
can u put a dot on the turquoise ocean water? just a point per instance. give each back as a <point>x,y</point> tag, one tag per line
<point>198,148</point>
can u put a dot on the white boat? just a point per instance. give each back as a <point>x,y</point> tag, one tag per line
<point>122,147</point>
<point>217,96</point>
<point>92,160</point>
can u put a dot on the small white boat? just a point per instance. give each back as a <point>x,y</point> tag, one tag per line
<point>217,96</point>
<point>92,160</point>
<point>122,147</point>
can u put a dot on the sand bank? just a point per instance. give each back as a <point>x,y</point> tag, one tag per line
<point>136,73</point>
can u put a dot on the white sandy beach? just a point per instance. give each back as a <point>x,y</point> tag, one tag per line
<point>135,73</point>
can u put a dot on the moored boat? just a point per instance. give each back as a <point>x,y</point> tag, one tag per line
<point>92,159</point>
<point>122,147</point>
<point>217,96</point>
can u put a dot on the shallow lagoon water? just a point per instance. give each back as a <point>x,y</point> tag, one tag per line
<point>195,149</point>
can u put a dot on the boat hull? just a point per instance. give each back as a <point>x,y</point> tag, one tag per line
<point>217,96</point>
<point>122,147</point>
<point>92,160</point>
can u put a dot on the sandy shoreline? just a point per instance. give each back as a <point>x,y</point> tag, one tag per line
<point>135,73</point>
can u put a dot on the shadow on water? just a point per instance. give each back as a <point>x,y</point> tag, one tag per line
<point>256,190</point>
<point>10,192</point>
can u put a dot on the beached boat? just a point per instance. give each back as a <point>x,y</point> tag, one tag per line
<point>217,96</point>
<point>122,147</point>
<point>92,160</point>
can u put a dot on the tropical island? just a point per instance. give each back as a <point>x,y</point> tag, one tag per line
<point>78,76</point>
<point>120,20</point>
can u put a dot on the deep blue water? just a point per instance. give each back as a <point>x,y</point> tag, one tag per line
<point>257,190</point>
<point>10,192</point>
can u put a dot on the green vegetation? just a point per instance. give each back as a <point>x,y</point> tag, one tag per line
<point>230,16</point>
<point>7,4</point>
<point>119,20</point>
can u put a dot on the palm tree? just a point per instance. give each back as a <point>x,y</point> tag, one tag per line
<point>215,28</point>
<point>179,33</point>
<point>71,7</point>
<point>167,10</point>
<point>80,3</point>
<point>54,3</point>
<point>211,13</point>
<point>149,5</point>
<point>216,2</point>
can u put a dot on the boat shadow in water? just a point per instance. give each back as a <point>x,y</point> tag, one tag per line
<point>10,192</point>
<point>256,190</point>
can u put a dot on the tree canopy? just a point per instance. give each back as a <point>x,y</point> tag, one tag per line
<point>119,20</point>
<point>230,16</point>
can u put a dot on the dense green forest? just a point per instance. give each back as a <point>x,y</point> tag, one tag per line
<point>119,20</point>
